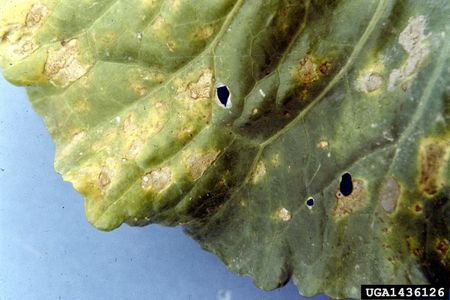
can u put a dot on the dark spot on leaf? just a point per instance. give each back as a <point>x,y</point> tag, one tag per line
<point>418,208</point>
<point>325,67</point>
<point>310,202</point>
<point>223,94</point>
<point>346,185</point>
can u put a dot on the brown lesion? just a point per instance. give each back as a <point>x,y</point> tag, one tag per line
<point>310,69</point>
<point>307,70</point>
<point>433,156</point>
<point>358,199</point>
<point>442,249</point>
<point>325,68</point>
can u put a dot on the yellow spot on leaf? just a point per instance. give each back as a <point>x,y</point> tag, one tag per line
<point>204,32</point>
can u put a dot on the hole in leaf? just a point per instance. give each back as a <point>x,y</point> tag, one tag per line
<point>310,202</point>
<point>346,186</point>
<point>223,96</point>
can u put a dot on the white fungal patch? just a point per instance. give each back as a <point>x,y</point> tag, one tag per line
<point>284,214</point>
<point>62,65</point>
<point>411,39</point>
<point>139,36</point>
<point>157,180</point>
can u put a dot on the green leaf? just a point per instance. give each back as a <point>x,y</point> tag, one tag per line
<point>127,90</point>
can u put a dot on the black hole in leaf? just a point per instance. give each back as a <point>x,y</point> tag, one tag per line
<point>346,186</point>
<point>310,202</point>
<point>223,94</point>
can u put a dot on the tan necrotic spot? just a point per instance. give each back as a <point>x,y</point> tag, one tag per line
<point>62,65</point>
<point>201,88</point>
<point>323,144</point>
<point>283,214</point>
<point>22,48</point>
<point>307,71</point>
<point>433,157</point>
<point>157,180</point>
<point>389,194</point>
<point>259,172</point>
<point>199,162</point>
<point>357,200</point>
<point>411,39</point>
<point>35,15</point>
<point>19,35</point>
<point>373,81</point>
<point>104,178</point>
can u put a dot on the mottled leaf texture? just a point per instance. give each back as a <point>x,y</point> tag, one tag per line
<point>317,89</point>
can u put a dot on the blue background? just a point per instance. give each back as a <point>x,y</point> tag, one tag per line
<point>49,251</point>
